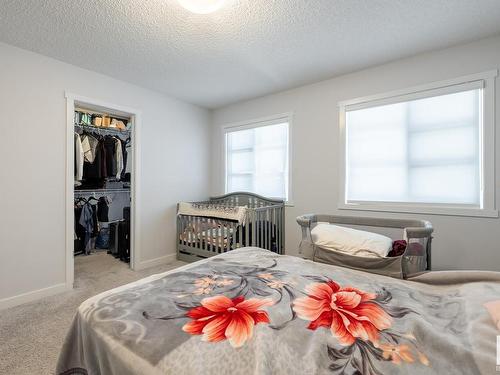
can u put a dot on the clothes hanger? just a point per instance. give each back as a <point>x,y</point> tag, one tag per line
<point>92,199</point>
<point>80,200</point>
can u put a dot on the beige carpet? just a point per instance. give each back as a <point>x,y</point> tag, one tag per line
<point>31,335</point>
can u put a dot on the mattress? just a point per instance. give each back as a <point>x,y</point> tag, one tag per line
<point>213,236</point>
<point>252,311</point>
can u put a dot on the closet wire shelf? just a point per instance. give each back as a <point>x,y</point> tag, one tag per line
<point>102,130</point>
<point>101,191</point>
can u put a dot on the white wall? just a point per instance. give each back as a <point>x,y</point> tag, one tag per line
<point>460,242</point>
<point>174,165</point>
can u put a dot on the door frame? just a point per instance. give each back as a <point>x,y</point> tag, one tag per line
<point>135,116</point>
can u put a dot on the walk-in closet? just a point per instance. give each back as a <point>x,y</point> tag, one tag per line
<point>102,188</point>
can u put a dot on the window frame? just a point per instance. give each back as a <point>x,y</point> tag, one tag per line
<point>486,208</point>
<point>253,124</point>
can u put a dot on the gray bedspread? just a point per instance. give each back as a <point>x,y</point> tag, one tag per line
<point>251,311</point>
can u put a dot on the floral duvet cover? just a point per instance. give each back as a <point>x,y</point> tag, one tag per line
<point>251,311</point>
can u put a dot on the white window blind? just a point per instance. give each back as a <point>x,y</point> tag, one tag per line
<point>257,159</point>
<point>422,148</point>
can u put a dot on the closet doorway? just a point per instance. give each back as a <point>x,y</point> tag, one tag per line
<point>101,182</point>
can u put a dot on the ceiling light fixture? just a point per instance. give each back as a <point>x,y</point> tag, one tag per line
<point>201,6</point>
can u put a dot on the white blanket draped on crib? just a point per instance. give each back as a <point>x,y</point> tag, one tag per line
<point>236,213</point>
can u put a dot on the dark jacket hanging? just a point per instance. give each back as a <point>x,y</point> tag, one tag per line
<point>94,170</point>
<point>102,210</point>
<point>110,147</point>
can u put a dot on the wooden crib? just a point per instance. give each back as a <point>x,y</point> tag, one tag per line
<point>203,237</point>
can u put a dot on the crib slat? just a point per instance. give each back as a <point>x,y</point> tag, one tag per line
<point>209,234</point>
<point>268,228</point>
<point>278,237</point>
<point>264,231</point>
<point>192,226</point>
<point>205,236</point>
<point>246,242</point>
<point>231,238</point>
<point>198,232</point>
<point>261,229</point>
<point>265,222</point>
<point>256,229</point>
<point>193,230</point>
<point>227,237</point>
<point>234,243</point>
<point>255,238</point>
<point>240,230</point>
<point>180,230</point>
<point>219,234</point>
<point>224,235</point>
<point>215,237</point>
<point>274,229</point>
<point>271,228</point>
<point>203,233</point>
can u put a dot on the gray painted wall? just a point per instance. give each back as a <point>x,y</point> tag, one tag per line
<point>460,242</point>
<point>32,173</point>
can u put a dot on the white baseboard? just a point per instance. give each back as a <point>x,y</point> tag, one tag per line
<point>5,303</point>
<point>169,258</point>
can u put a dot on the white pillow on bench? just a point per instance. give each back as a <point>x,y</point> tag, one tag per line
<point>351,241</point>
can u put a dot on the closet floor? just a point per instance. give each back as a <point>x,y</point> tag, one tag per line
<point>32,334</point>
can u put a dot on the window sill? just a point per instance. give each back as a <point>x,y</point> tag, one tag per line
<point>431,210</point>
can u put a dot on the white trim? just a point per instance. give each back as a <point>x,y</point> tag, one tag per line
<point>252,124</point>
<point>421,209</point>
<point>166,259</point>
<point>261,121</point>
<point>135,183</point>
<point>486,81</point>
<point>135,115</point>
<point>425,87</point>
<point>487,139</point>
<point>70,182</point>
<point>34,295</point>
<point>415,95</point>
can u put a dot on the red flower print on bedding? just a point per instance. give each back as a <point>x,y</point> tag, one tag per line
<point>347,311</point>
<point>220,318</point>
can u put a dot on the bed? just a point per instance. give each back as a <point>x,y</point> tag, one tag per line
<point>228,222</point>
<point>252,311</point>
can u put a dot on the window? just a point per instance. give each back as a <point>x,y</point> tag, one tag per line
<point>421,150</point>
<point>257,158</point>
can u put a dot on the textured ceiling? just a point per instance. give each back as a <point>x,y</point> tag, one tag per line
<point>246,49</point>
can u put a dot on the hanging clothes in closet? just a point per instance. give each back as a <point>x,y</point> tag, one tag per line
<point>127,164</point>
<point>79,159</point>
<point>86,225</point>
<point>103,209</point>
<point>102,184</point>
<point>98,158</point>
